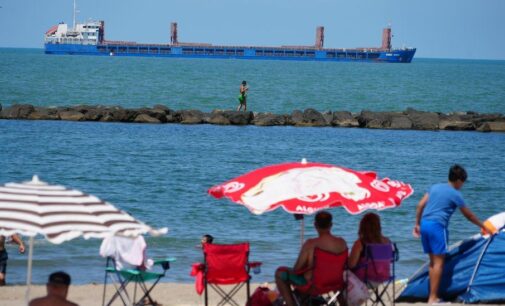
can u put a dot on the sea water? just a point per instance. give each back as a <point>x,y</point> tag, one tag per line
<point>160,173</point>
<point>30,76</point>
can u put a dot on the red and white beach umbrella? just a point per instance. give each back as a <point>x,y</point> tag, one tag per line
<point>305,188</point>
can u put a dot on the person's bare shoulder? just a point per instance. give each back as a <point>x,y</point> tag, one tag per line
<point>386,239</point>
<point>34,302</point>
<point>341,242</point>
<point>46,301</point>
<point>41,301</point>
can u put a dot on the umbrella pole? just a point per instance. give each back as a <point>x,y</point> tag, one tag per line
<point>302,229</point>
<point>29,272</point>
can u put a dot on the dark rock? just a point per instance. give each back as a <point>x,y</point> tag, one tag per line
<point>400,123</point>
<point>117,114</point>
<point>92,115</point>
<point>310,117</point>
<point>374,120</point>
<point>90,112</point>
<point>484,127</point>
<point>172,118</point>
<point>269,119</point>
<point>145,118</point>
<point>239,118</point>
<point>157,113</point>
<point>492,126</point>
<point>43,113</point>
<point>190,116</point>
<point>17,111</point>
<point>163,108</point>
<point>219,118</point>
<point>423,120</point>
<point>0,107</point>
<point>482,118</point>
<point>226,117</point>
<point>107,116</point>
<point>456,125</point>
<point>344,119</point>
<point>328,117</point>
<point>71,115</point>
<point>296,117</point>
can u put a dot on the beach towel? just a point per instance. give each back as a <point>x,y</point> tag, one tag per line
<point>127,252</point>
<point>197,273</point>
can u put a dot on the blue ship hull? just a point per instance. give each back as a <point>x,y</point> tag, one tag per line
<point>223,52</point>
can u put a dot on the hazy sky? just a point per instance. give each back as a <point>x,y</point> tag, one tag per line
<point>438,28</point>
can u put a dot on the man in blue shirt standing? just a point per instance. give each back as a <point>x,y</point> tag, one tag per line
<point>432,220</point>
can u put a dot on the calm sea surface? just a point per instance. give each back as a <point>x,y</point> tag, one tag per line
<point>29,76</point>
<point>160,173</point>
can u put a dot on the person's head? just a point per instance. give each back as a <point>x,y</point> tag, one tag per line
<point>322,221</point>
<point>244,83</point>
<point>207,238</point>
<point>457,176</point>
<point>58,284</point>
<point>370,230</point>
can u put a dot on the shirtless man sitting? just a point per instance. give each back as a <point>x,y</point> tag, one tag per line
<point>325,241</point>
<point>57,290</point>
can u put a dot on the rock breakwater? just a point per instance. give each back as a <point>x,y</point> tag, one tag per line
<point>410,119</point>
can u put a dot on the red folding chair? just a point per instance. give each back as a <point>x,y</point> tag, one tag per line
<point>226,265</point>
<point>328,279</point>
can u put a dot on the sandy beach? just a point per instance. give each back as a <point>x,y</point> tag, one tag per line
<point>173,294</point>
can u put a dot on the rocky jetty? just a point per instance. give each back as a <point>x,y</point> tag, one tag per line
<point>409,119</point>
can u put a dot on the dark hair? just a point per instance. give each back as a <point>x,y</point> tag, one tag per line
<point>457,173</point>
<point>209,238</point>
<point>323,220</point>
<point>370,230</point>
<point>59,278</point>
<point>244,82</point>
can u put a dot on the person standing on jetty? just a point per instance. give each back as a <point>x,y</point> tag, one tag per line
<point>4,256</point>
<point>242,98</point>
<point>432,220</point>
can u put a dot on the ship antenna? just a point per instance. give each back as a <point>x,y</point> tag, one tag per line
<point>74,14</point>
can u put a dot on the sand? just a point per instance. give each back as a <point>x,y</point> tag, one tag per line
<point>173,294</point>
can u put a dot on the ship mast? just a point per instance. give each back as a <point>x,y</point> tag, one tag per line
<point>74,15</point>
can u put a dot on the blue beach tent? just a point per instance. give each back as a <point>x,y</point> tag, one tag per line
<point>474,272</point>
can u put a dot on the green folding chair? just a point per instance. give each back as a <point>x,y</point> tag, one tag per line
<point>141,278</point>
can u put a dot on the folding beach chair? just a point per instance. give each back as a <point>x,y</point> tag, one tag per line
<point>130,267</point>
<point>328,279</point>
<point>379,267</point>
<point>226,264</point>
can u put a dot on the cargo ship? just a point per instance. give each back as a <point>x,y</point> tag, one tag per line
<point>89,39</point>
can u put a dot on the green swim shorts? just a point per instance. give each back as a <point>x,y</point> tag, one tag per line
<point>295,279</point>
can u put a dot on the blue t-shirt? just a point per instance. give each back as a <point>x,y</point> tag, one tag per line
<point>443,200</point>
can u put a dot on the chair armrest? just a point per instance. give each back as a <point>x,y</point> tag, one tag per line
<point>160,261</point>
<point>254,264</point>
<point>302,271</point>
<point>196,268</point>
<point>164,262</point>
